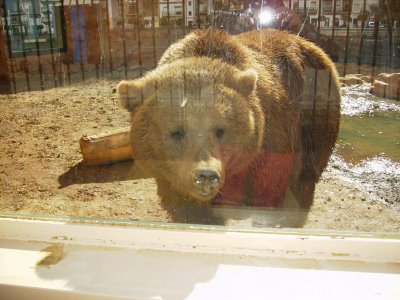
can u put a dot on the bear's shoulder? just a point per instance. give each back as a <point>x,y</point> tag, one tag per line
<point>284,46</point>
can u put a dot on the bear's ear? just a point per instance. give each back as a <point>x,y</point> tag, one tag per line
<point>134,92</point>
<point>245,82</point>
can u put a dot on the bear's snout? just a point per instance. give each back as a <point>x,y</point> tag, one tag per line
<point>206,182</point>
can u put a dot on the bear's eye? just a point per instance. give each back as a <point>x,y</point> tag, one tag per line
<point>219,133</point>
<point>178,135</point>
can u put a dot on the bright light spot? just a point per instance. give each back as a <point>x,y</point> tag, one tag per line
<point>266,16</point>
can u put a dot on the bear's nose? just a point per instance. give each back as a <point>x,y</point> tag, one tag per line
<point>204,177</point>
<point>206,183</point>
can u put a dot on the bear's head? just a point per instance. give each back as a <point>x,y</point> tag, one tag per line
<point>194,122</point>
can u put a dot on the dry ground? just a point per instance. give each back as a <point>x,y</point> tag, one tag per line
<point>41,171</point>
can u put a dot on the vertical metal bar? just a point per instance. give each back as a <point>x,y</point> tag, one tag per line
<point>153,33</point>
<point>51,45</point>
<point>198,13</point>
<point>315,70</point>
<point>78,12</point>
<point>334,19</point>
<point>319,19</point>
<point>67,57</point>
<point>376,35</point>
<point>110,60</point>
<point>169,24</point>
<point>214,15</point>
<point>11,62</point>
<point>97,70</point>
<point>26,71</point>
<point>314,99</point>
<point>183,15</point>
<point>360,47</point>
<point>346,49</point>
<point>37,47</point>
<point>5,79</point>
<point>328,127</point>
<point>98,59</point>
<point>123,38</point>
<point>327,123</point>
<point>96,66</point>
<point>389,30</point>
<point>139,41</point>
<point>101,31</point>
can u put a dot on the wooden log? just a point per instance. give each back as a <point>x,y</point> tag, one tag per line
<point>106,148</point>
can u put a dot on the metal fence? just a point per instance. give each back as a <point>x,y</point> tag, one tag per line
<point>51,43</point>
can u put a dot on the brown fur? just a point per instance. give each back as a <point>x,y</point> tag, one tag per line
<point>274,97</point>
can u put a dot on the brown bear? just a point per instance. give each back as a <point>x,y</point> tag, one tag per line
<point>236,120</point>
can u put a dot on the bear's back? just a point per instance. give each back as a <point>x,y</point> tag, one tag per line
<point>211,43</point>
<point>273,53</point>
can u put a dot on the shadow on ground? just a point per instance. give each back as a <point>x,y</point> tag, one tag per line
<point>81,173</point>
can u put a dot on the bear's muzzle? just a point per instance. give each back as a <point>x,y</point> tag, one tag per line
<point>206,183</point>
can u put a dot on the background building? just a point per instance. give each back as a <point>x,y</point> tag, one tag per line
<point>93,37</point>
<point>33,24</point>
<point>338,13</point>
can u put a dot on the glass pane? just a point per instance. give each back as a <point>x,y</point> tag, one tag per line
<point>240,113</point>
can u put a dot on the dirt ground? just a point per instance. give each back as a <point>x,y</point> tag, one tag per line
<point>41,169</point>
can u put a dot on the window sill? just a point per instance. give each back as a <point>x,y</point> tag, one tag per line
<point>54,259</point>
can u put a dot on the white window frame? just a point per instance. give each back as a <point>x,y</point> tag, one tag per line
<point>56,258</point>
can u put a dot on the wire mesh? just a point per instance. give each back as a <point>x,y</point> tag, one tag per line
<point>51,43</point>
